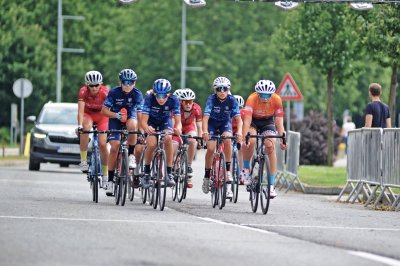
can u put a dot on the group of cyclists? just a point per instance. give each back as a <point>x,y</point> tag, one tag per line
<point>177,113</point>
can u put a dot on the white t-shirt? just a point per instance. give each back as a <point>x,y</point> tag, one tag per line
<point>348,126</point>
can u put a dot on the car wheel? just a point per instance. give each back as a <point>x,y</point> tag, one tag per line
<point>33,165</point>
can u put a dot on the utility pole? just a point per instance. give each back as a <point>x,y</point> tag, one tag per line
<point>60,49</point>
<point>184,44</point>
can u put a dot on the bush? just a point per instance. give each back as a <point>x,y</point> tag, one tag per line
<point>313,144</point>
<point>4,135</point>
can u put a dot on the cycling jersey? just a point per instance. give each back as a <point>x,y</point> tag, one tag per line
<point>260,110</point>
<point>160,116</point>
<point>221,111</point>
<point>117,99</point>
<point>195,115</point>
<point>93,103</point>
<point>234,122</point>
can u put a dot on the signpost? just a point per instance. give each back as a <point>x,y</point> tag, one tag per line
<point>22,88</point>
<point>288,91</point>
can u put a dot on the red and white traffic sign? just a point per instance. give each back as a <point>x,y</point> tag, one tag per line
<point>288,89</point>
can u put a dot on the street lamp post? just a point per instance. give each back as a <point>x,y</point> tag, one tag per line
<point>60,49</point>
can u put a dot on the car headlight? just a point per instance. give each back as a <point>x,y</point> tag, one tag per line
<point>39,135</point>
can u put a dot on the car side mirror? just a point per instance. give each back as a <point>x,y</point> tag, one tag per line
<point>31,118</point>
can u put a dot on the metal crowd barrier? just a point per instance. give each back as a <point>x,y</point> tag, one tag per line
<point>290,179</point>
<point>373,157</point>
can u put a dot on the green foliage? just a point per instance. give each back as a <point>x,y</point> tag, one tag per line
<point>313,145</point>
<point>4,135</point>
<point>241,41</point>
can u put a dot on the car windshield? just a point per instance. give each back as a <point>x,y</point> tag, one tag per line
<point>59,115</point>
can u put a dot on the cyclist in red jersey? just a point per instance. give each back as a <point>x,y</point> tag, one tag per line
<point>90,101</point>
<point>191,119</point>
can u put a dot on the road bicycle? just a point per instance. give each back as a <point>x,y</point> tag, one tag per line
<point>180,169</point>
<point>260,185</point>
<point>122,176</point>
<point>218,178</point>
<point>157,189</point>
<point>94,175</point>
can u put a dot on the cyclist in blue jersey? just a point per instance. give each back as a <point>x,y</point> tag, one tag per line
<point>157,116</point>
<point>221,107</point>
<point>127,96</point>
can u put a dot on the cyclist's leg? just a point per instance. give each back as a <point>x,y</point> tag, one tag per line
<point>270,151</point>
<point>102,124</point>
<point>192,146</point>
<point>132,124</point>
<point>208,157</point>
<point>248,151</point>
<point>169,152</point>
<point>84,141</point>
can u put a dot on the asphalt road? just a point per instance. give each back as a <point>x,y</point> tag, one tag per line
<point>48,218</point>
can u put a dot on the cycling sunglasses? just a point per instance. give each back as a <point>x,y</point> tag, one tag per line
<point>187,101</point>
<point>265,95</point>
<point>222,89</point>
<point>161,95</point>
<point>94,86</point>
<point>128,82</point>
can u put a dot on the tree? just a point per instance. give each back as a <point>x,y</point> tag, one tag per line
<point>319,35</point>
<point>380,32</point>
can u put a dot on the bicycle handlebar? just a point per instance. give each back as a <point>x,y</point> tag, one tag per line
<point>283,137</point>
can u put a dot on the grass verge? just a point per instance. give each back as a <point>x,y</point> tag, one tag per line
<point>322,175</point>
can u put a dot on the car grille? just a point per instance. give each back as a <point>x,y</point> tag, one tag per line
<point>62,139</point>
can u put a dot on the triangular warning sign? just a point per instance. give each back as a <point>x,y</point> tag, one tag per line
<point>288,89</point>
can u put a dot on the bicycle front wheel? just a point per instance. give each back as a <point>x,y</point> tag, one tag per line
<point>182,177</point>
<point>254,186</point>
<point>235,176</point>
<point>214,187</point>
<point>162,180</point>
<point>175,171</point>
<point>153,195</point>
<point>124,175</point>
<point>265,186</point>
<point>117,188</point>
<point>222,181</point>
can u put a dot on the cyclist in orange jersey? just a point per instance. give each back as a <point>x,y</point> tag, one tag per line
<point>264,114</point>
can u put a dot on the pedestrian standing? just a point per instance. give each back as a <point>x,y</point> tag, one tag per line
<point>377,113</point>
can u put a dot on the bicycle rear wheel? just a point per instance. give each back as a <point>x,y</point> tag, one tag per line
<point>124,175</point>
<point>222,181</point>
<point>235,176</point>
<point>162,180</point>
<point>255,186</point>
<point>182,177</point>
<point>265,187</point>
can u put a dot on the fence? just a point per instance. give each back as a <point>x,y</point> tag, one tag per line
<point>373,167</point>
<point>289,177</point>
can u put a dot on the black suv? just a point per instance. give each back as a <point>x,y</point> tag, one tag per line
<point>53,137</point>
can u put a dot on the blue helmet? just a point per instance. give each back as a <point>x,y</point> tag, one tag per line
<point>161,86</point>
<point>127,74</point>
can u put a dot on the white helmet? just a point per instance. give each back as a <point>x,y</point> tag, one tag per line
<point>240,100</point>
<point>187,94</point>
<point>178,93</point>
<point>93,78</point>
<point>265,86</point>
<point>221,82</point>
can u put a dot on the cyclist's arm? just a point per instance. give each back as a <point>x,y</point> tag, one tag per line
<point>178,124</point>
<point>246,123</point>
<point>205,124</point>
<point>107,112</point>
<point>81,111</point>
<point>279,125</point>
<point>239,124</point>
<point>199,128</point>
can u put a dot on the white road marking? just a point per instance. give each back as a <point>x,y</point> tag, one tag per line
<point>237,225</point>
<point>325,227</point>
<point>374,257</point>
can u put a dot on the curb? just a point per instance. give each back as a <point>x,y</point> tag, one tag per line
<point>323,190</point>
<point>7,163</point>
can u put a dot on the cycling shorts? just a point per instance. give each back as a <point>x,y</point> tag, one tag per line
<point>264,126</point>
<point>219,127</point>
<point>98,119</point>
<point>160,126</point>
<point>114,123</point>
